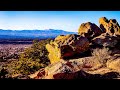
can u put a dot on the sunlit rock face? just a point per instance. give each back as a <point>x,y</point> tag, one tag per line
<point>109,26</point>
<point>89,30</point>
<point>66,46</point>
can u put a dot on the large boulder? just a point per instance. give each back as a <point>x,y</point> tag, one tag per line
<point>54,53</point>
<point>58,67</point>
<point>75,69</point>
<point>109,26</point>
<point>89,30</point>
<point>66,46</point>
<point>103,21</point>
<point>105,40</point>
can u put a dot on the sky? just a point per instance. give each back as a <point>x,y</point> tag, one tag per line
<point>62,20</point>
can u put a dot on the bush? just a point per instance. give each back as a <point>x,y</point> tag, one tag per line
<point>25,66</point>
<point>3,72</point>
<point>31,60</point>
<point>102,55</point>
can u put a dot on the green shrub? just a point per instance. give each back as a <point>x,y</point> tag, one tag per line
<point>3,72</point>
<point>32,59</point>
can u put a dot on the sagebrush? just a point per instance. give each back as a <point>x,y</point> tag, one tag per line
<point>102,55</point>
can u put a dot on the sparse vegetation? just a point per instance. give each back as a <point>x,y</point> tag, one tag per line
<point>92,53</point>
<point>10,51</point>
<point>4,72</point>
<point>102,55</point>
<point>31,60</point>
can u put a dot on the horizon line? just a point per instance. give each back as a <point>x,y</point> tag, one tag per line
<point>36,29</point>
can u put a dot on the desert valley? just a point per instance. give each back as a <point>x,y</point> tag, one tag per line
<point>91,53</point>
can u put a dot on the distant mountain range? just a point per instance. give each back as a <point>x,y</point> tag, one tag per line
<point>32,34</point>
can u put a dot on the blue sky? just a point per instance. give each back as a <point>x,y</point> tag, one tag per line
<point>65,20</point>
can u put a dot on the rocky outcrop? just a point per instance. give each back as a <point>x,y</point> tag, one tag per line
<point>62,67</point>
<point>105,40</point>
<point>103,21</point>
<point>84,75</point>
<point>111,35</point>
<point>66,46</point>
<point>109,26</point>
<point>63,49</point>
<point>114,64</point>
<point>89,30</point>
<point>54,53</point>
<point>70,45</point>
<point>75,69</point>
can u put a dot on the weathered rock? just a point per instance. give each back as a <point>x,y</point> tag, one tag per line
<point>109,26</point>
<point>114,64</point>
<point>59,67</point>
<point>91,63</point>
<point>116,52</point>
<point>89,30</point>
<point>74,69</point>
<point>69,69</point>
<point>84,75</point>
<point>103,21</point>
<point>39,74</point>
<point>54,53</point>
<point>66,46</point>
<point>35,75</point>
<point>64,67</point>
<point>105,40</point>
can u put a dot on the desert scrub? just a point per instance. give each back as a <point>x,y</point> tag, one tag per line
<point>102,55</point>
<point>31,60</point>
<point>24,67</point>
<point>4,72</point>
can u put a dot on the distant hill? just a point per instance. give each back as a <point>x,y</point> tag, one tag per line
<point>31,34</point>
